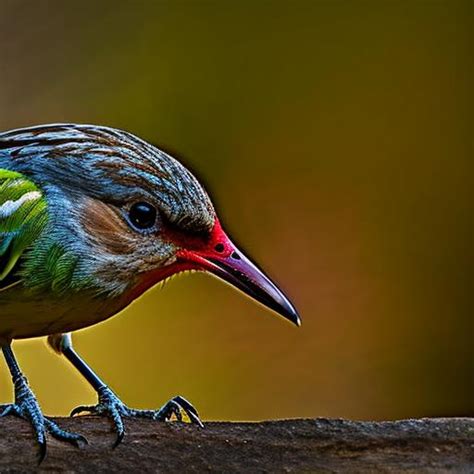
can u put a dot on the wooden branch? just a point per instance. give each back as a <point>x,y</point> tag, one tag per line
<point>321,445</point>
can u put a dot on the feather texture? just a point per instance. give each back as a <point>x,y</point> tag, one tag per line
<point>69,256</point>
<point>23,216</point>
<point>109,165</point>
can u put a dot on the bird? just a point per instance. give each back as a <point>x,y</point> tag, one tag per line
<point>91,217</point>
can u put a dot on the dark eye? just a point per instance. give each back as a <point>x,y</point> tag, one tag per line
<point>142,215</point>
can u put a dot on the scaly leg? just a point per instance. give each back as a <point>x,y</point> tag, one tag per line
<point>109,404</point>
<point>26,407</point>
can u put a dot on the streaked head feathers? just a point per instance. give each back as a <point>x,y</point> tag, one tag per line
<point>109,165</point>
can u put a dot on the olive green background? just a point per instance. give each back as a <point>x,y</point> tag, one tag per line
<point>335,138</point>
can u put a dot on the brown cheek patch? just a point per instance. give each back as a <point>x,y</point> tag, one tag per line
<point>107,227</point>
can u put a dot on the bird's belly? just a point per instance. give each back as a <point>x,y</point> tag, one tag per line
<point>26,317</point>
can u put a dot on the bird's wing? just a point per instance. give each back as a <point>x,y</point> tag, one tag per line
<point>23,215</point>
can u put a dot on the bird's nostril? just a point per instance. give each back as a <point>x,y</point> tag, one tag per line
<point>219,248</point>
<point>235,256</point>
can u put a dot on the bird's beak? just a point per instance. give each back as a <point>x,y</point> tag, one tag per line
<point>224,260</point>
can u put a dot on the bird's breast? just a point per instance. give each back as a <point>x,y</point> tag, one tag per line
<point>24,315</point>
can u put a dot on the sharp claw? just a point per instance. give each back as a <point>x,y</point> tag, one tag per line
<point>111,406</point>
<point>195,419</point>
<point>199,422</point>
<point>119,439</point>
<point>62,435</point>
<point>6,411</point>
<point>82,409</point>
<point>176,406</point>
<point>185,404</point>
<point>77,442</point>
<point>42,451</point>
<point>189,410</point>
<point>27,408</point>
<point>118,424</point>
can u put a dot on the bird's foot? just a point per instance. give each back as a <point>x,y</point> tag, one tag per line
<point>111,406</point>
<point>26,406</point>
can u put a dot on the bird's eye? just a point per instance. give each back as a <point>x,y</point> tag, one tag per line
<point>142,215</point>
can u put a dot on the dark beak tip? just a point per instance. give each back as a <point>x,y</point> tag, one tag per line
<point>247,277</point>
<point>295,319</point>
<point>289,312</point>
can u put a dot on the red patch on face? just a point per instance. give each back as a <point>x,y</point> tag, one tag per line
<point>191,255</point>
<point>217,243</point>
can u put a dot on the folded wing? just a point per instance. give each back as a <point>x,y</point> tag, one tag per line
<point>23,216</point>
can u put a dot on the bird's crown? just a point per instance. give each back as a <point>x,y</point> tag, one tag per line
<point>110,165</point>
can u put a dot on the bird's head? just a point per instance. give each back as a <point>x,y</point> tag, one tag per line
<point>129,215</point>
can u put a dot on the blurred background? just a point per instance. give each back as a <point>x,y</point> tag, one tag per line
<point>336,140</point>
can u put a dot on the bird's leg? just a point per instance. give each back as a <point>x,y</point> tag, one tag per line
<point>109,404</point>
<point>26,406</point>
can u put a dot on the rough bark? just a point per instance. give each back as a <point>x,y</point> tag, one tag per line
<point>320,445</point>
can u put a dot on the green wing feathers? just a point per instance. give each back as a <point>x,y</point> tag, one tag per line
<point>23,216</point>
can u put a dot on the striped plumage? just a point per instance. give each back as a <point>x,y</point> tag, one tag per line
<point>88,176</point>
<point>107,164</point>
<point>90,218</point>
<point>23,217</point>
